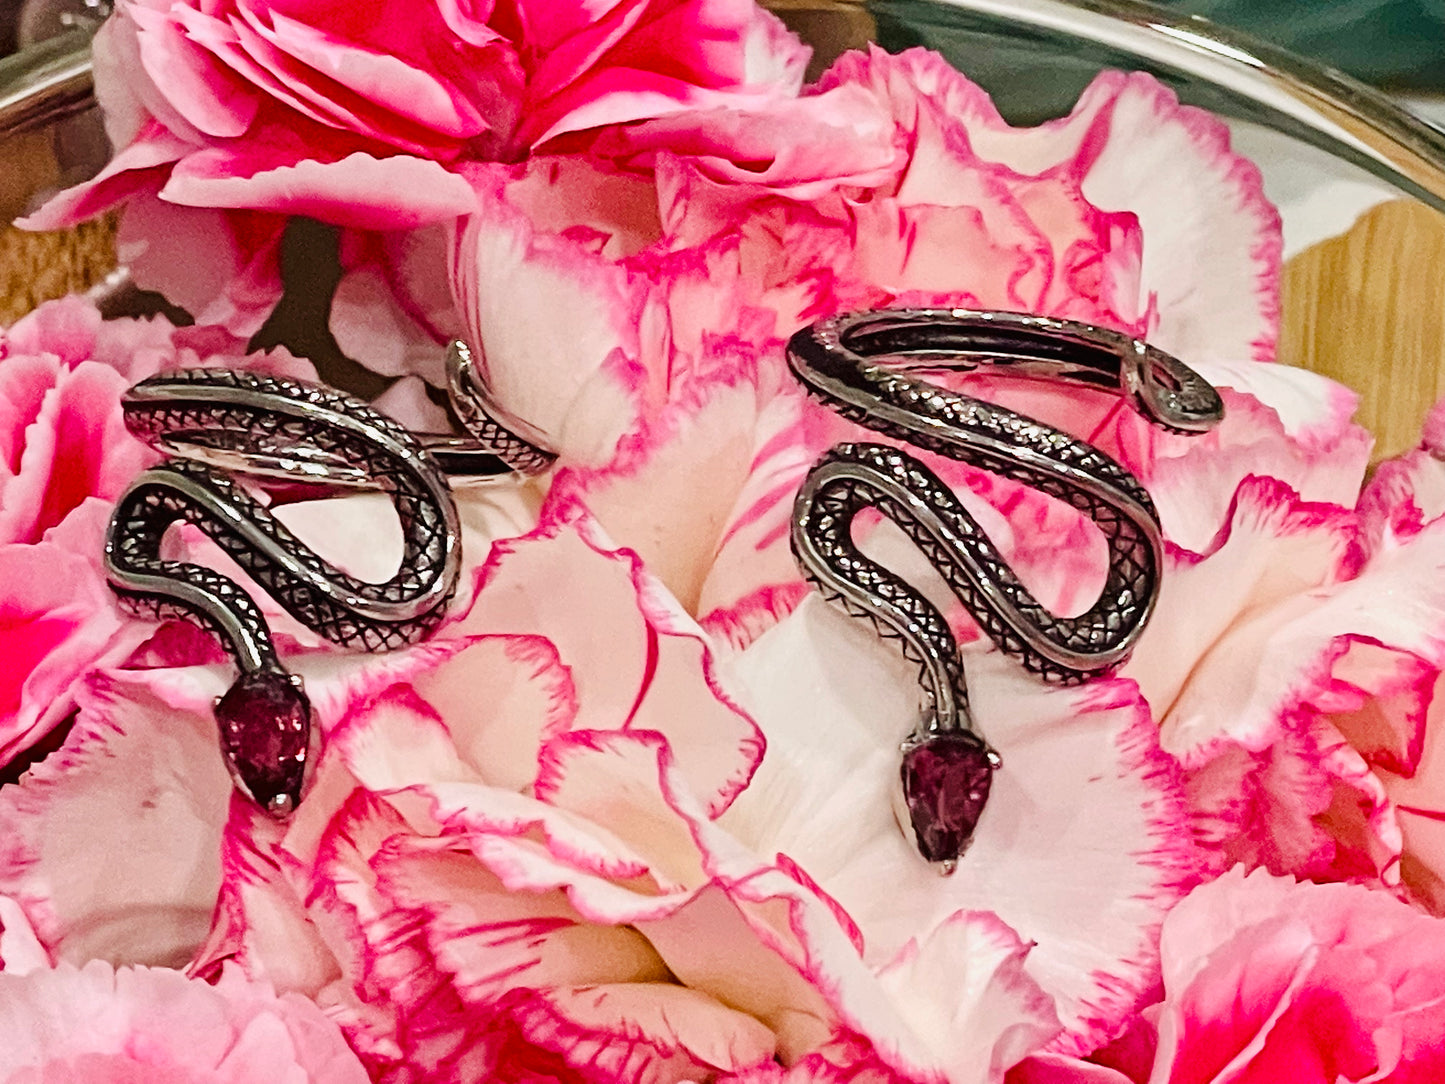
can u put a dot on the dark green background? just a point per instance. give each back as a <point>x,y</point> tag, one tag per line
<point>1397,43</point>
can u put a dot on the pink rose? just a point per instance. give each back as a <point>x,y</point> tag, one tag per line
<point>229,118</point>
<point>69,1025</point>
<point>1266,979</point>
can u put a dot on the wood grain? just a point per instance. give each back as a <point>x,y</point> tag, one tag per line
<point>36,267</point>
<point>1367,308</point>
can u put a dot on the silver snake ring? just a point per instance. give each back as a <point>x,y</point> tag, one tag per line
<point>865,366</point>
<point>212,420</point>
<point>511,439</point>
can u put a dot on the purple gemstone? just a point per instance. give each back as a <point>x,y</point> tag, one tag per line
<point>946,779</point>
<point>265,723</point>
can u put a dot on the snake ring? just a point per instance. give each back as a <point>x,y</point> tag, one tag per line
<point>865,366</point>
<point>512,440</point>
<point>215,421</point>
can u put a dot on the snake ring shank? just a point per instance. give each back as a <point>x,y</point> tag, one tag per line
<point>208,419</point>
<point>867,366</point>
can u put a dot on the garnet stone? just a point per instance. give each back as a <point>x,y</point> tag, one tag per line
<point>946,778</point>
<point>265,722</point>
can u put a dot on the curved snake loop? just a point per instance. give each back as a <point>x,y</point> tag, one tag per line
<point>862,365</point>
<point>207,416</point>
<point>509,438</point>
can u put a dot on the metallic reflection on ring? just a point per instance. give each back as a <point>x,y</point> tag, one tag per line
<point>297,432</point>
<point>865,366</point>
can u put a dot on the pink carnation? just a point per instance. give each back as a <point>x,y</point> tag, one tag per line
<point>1268,980</point>
<point>508,857</point>
<point>228,118</point>
<point>71,1025</point>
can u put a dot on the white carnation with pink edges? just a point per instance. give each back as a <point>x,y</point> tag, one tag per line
<point>626,815</point>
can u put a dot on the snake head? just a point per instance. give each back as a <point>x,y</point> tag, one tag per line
<point>946,779</point>
<point>265,723</point>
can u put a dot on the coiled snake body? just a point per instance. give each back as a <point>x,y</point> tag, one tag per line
<point>212,419</point>
<point>864,366</point>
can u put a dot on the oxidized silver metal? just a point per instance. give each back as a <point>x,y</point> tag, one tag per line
<point>864,366</point>
<point>511,439</point>
<point>490,452</point>
<point>205,417</point>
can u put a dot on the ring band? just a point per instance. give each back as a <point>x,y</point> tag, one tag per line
<point>865,366</point>
<point>238,416</point>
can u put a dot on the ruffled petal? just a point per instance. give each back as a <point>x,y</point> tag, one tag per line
<point>657,673</point>
<point>111,843</point>
<point>1084,801</point>
<point>997,1007</point>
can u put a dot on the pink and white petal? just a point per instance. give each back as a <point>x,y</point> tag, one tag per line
<point>614,212</point>
<point>768,940</point>
<point>1307,806</point>
<point>1126,133</point>
<point>360,190</point>
<point>1403,495</point>
<point>1215,272</point>
<point>702,494</point>
<point>1313,409</point>
<point>643,1033</point>
<point>260,921</point>
<point>657,673</point>
<point>1085,802</point>
<point>433,729</point>
<point>1193,480</point>
<point>491,940</point>
<point>1272,553</point>
<point>1419,803</point>
<point>111,844</point>
<point>20,949</point>
<point>753,580</point>
<point>996,1008</point>
<point>1120,121</point>
<point>530,699</point>
<point>553,326</point>
<point>1395,601</point>
<point>750,935</point>
<point>1379,699</point>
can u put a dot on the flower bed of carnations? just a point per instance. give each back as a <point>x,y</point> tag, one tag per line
<point>627,816</point>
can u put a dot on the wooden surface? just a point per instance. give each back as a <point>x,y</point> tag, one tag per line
<point>36,267</point>
<point>1368,309</point>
